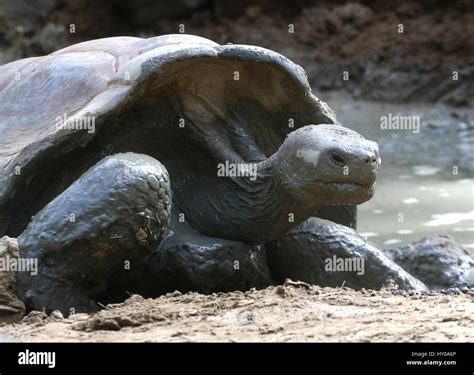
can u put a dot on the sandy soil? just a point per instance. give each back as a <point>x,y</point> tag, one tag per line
<point>293,312</point>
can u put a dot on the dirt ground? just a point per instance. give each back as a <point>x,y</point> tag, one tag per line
<point>292,312</point>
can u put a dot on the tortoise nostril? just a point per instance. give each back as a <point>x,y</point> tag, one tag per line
<point>338,160</point>
<point>371,160</point>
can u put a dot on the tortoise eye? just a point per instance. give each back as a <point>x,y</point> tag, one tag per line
<point>336,159</point>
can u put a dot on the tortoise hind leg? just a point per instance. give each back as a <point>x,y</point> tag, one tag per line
<point>189,261</point>
<point>90,235</point>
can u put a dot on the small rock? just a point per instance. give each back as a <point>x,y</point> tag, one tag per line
<point>438,261</point>
<point>280,290</point>
<point>176,293</point>
<point>56,315</point>
<point>105,325</point>
<point>297,284</point>
<point>35,316</point>
<point>134,298</point>
<point>141,236</point>
<point>12,309</point>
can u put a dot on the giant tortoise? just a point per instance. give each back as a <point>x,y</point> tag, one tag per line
<point>150,165</point>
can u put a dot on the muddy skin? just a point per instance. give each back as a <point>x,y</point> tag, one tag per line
<point>189,261</point>
<point>305,252</point>
<point>121,210</point>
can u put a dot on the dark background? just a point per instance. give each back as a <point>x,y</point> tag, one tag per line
<point>329,37</point>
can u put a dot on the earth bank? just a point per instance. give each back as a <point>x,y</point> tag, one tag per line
<point>354,46</point>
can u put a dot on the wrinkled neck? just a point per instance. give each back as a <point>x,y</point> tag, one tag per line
<point>253,208</point>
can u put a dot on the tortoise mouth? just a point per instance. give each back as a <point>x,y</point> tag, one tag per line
<point>350,185</point>
<point>347,192</point>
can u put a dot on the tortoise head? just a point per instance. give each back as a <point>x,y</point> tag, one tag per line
<point>328,164</point>
<point>315,165</point>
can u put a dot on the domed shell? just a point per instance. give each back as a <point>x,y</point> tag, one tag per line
<point>221,102</point>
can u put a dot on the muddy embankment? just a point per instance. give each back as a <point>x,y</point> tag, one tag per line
<point>376,50</point>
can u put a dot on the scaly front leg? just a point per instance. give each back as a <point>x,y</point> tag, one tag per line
<point>89,236</point>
